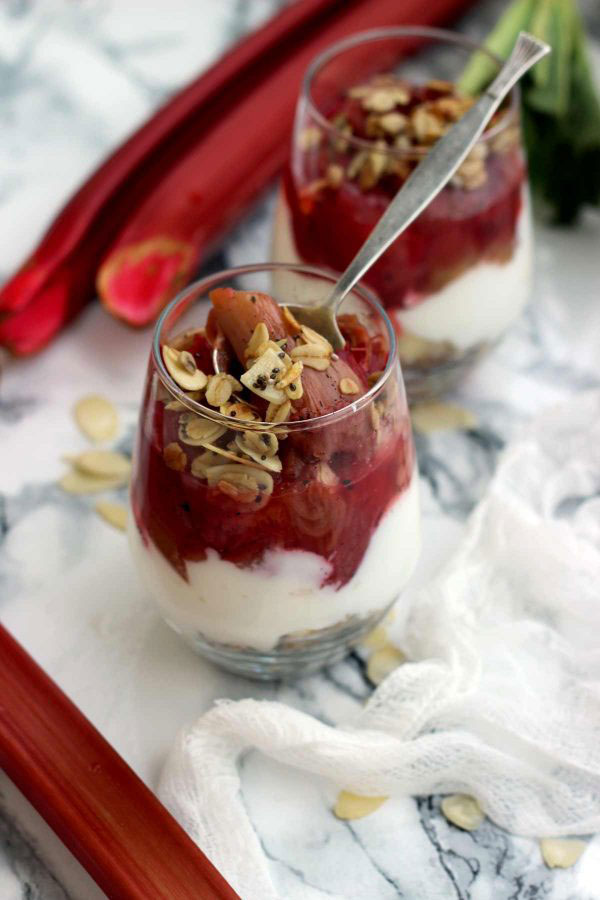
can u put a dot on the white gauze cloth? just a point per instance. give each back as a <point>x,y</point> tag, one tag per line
<point>501,698</point>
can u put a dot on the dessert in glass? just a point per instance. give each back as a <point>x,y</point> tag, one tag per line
<point>370,108</point>
<point>275,514</point>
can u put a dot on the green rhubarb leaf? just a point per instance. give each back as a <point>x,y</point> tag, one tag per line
<point>548,87</point>
<point>481,69</point>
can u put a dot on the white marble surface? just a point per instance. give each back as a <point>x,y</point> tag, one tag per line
<point>73,79</point>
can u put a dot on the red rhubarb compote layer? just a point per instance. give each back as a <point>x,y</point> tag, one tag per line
<point>462,252</point>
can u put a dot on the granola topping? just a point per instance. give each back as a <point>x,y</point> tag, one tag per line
<point>182,368</point>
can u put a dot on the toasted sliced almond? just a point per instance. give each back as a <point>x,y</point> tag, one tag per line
<point>463,811</point>
<point>182,368</point>
<point>237,409</point>
<point>313,362</point>
<point>113,513</point>
<point>245,478</point>
<point>262,442</point>
<point>203,462</point>
<point>293,372</point>
<point>376,639</point>
<point>259,336</point>
<point>197,431</point>
<point>260,377</point>
<point>349,386</point>
<point>356,806</point>
<point>291,320</point>
<point>310,138</point>
<point>313,337</point>
<point>220,388</point>
<point>97,418</point>
<point>393,122</point>
<point>430,417</point>
<point>295,391</point>
<point>384,661</point>
<point>76,482</point>
<point>260,455</point>
<point>102,463</point>
<point>306,351</point>
<point>279,413</point>
<point>561,853</point>
<point>174,457</point>
<point>381,101</point>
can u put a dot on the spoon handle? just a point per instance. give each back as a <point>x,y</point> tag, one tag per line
<point>439,165</point>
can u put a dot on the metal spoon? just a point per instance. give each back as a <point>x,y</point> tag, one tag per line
<point>424,184</point>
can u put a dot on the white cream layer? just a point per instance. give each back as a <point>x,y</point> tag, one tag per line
<point>257,607</point>
<point>477,306</point>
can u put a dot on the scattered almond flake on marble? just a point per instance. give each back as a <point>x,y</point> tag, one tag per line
<point>463,811</point>
<point>182,368</point>
<point>76,482</point>
<point>350,806</point>
<point>384,661</point>
<point>97,418</point>
<point>113,513</point>
<point>102,463</point>
<point>430,417</point>
<point>561,853</point>
<point>376,639</point>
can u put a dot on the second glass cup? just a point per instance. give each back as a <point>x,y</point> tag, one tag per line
<point>370,108</point>
<point>273,546</point>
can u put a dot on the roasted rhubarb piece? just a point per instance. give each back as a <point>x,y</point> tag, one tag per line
<point>265,489</point>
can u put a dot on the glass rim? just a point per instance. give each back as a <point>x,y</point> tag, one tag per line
<point>298,425</point>
<point>400,31</point>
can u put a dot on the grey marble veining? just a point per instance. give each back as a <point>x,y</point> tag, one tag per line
<point>67,589</point>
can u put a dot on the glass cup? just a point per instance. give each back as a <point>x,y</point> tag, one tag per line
<point>460,274</point>
<point>274,573</point>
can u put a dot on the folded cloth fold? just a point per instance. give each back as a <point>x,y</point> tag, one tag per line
<point>500,698</point>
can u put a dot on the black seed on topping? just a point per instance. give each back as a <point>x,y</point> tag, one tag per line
<point>266,439</point>
<point>281,355</point>
<point>233,414</point>
<point>261,382</point>
<point>263,456</point>
<point>292,387</point>
<point>262,487</point>
<point>275,371</point>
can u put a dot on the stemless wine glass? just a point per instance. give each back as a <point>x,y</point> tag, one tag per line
<point>460,274</point>
<point>274,573</point>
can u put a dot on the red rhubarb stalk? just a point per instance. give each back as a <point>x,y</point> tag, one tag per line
<point>155,143</point>
<point>212,185</point>
<point>112,823</point>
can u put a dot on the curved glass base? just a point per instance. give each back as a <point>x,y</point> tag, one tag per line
<point>294,656</point>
